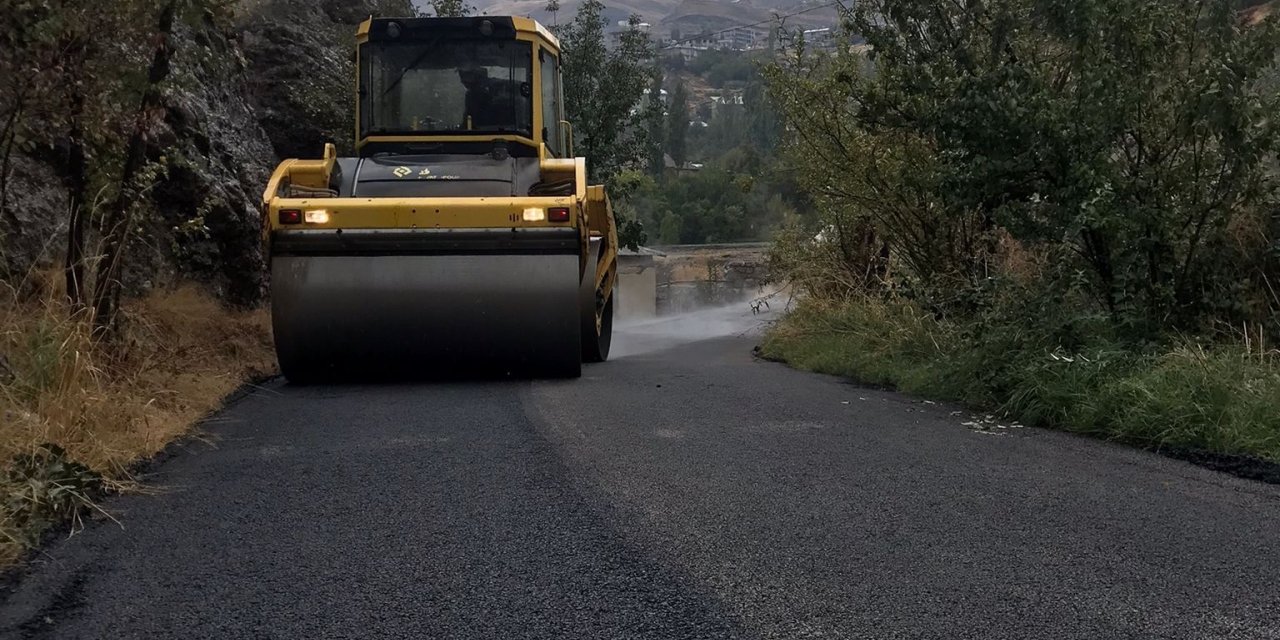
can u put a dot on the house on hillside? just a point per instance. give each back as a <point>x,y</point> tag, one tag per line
<point>821,39</point>
<point>613,37</point>
<point>688,51</point>
<point>732,38</point>
<point>746,38</point>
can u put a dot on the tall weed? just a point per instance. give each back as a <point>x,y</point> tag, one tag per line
<point>78,413</point>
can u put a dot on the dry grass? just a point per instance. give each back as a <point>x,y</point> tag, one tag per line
<point>103,407</point>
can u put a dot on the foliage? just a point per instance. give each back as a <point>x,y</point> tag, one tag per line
<point>1186,396</point>
<point>78,412</point>
<point>1128,140</point>
<point>656,123</point>
<point>720,203</point>
<point>602,89</point>
<point>1051,208</point>
<point>631,232</point>
<point>720,68</point>
<point>451,8</point>
<point>602,93</point>
<point>96,112</point>
<point>678,125</point>
<point>60,76</point>
<point>131,141</point>
<point>728,125</point>
<point>118,221</point>
<point>729,186</point>
<point>45,488</point>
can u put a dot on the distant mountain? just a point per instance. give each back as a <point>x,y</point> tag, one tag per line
<point>664,14</point>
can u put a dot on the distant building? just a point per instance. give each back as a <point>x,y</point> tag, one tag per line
<point>688,51</point>
<point>749,38</point>
<point>736,38</point>
<point>824,39</point>
<point>819,38</point>
<point>613,37</point>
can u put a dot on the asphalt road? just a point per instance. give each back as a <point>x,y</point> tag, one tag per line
<point>678,491</point>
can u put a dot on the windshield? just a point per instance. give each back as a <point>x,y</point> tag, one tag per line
<point>452,86</point>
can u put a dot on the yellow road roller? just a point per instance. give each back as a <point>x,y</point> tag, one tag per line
<point>463,236</point>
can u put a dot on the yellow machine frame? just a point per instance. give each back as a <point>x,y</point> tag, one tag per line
<point>292,185</point>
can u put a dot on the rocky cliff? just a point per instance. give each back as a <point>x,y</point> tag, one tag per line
<point>271,79</point>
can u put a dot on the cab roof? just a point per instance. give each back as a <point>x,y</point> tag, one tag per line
<point>500,27</point>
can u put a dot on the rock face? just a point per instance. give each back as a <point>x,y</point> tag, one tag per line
<point>301,76</point>
<point>277,83</point>
<point>302,73</point>
<point>218,160</point>
<point>32,220</point>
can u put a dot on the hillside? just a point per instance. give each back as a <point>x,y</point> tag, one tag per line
<point>1255,12</point>
<point>658,12</point>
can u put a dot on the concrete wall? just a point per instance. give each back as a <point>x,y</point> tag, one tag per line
<point>682,278</point>
<point>637,288</point>
<point>692,277</point>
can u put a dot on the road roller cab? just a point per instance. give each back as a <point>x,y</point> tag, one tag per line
<point>463,234</point>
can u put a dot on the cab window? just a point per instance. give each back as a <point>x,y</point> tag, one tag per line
<point>470,86</point>
<point>551,114</point>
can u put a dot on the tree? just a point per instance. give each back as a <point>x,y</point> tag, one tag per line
<point>118,221</point>
<point>655,116</point>
<point>451,8</point>
<point>553,7</point>
<point>56,108</point>
<point>602,91</point>
<point>763,126</point>
<point>671,228</point>
<point>678,125</point>
<point>1126,138</point>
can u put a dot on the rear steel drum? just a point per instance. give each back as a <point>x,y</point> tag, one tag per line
<point>426,315</point>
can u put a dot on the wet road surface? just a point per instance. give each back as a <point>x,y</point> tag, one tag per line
<point>681,490</point>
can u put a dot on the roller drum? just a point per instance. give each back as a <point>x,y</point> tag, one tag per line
<point>337,316</point>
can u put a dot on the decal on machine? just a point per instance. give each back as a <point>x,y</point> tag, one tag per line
<point>423,174</point>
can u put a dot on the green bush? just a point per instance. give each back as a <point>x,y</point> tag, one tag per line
<point>1223,398</point>
<point>1132,140</point>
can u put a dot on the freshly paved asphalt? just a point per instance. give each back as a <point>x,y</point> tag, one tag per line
<point>681,490</point>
